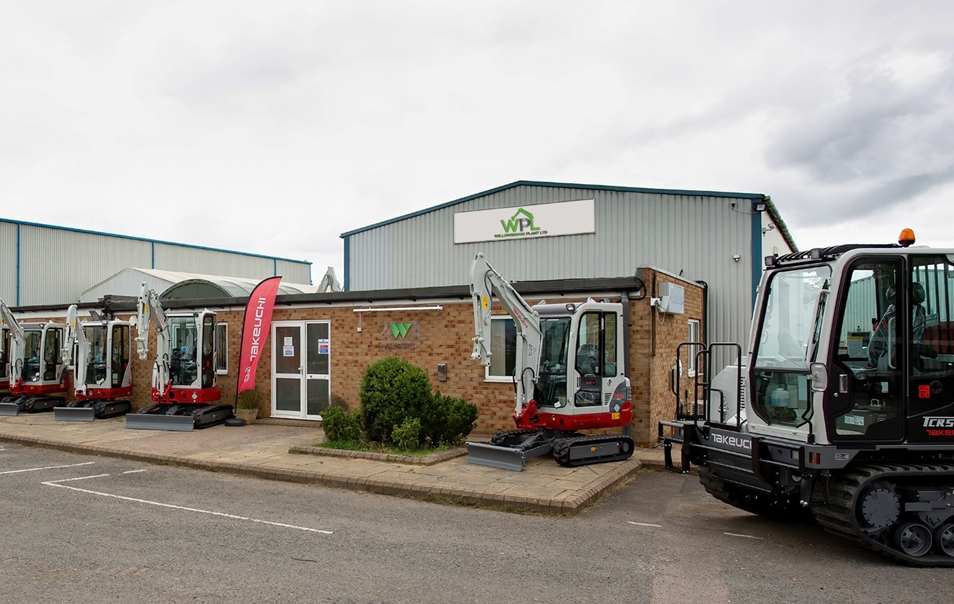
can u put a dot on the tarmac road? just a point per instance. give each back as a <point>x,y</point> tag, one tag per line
<point>91,529</point>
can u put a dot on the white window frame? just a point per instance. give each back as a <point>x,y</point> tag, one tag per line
<point>694,326</point>
<point>498,379</point>
<point>219,352</point>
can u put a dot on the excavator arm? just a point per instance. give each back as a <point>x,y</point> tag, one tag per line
<point>75,335</point>
<point>150,310</point>
<point>329,283</point>
<point>487,284</point>
<point>17,343</point>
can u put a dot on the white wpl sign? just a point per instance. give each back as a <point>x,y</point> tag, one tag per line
<point>522,222</point>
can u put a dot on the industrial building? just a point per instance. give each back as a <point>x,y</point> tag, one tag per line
<point>45,264</point>
<point>684,264</point>
<point>533,231</point>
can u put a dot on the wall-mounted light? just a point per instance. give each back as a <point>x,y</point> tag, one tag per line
<point>736,257</point>
<point>759,206</point>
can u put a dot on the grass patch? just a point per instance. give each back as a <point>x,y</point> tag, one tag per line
<point>351,445</point>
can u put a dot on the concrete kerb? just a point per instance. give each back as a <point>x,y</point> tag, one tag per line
<point>568,506</point>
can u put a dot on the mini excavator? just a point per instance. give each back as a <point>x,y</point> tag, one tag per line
<point>184,388</point>
<point>102,374</point>
<point>568,376</point>
<point>37,372</point>
<point>843,410</point>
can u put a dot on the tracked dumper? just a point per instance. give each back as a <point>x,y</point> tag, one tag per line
<point>568,376</point>
<point>845,404</point>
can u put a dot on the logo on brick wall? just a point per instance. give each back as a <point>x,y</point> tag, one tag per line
<point>400,336</point>
<point>399,330</point>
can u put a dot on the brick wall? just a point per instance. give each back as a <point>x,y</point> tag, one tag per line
<point>445,337</point>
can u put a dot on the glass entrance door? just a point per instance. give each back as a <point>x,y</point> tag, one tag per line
<point>301,368</point>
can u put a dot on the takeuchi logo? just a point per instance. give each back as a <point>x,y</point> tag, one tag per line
<point>521,224</point>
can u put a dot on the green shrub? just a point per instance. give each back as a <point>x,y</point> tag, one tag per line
<point>448,420</point>
<point>340,425</point>
<point>408,434</point>
<point>392,390</point>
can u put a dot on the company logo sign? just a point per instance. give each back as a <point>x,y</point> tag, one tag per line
<point>520,225</point>
<point>400,336</point>
<point>399,330</point>
<point>521,222</point>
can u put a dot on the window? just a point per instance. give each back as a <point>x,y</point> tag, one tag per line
<point>503,350</point>
<point>221,348</point>
<point>695,335</point>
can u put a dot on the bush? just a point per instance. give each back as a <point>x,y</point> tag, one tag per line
<point>408,434</point>
<point>392,390</point>
<point>448,420</point>
<point>340,425</point>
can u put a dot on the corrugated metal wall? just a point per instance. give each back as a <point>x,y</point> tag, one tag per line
<point>57,265</point>
<point>689,234</point>
<point>8,252</point>
<point>294,272</point>
<point>211,262</point>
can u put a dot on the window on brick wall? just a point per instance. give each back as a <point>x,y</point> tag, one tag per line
<point>503,350</point>
<point>695,335</point>
<point>221,348</point>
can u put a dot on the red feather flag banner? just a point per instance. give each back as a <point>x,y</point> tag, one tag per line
<point>258,322</point>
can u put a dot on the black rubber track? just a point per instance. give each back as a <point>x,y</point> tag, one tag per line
<point>562,446</point>
<point>838,515</point>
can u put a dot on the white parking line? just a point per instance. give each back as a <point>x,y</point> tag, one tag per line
<point>72,465</point>
<point>744,536</point>
<point>133,471</point>
<point>58,483</point>
<point>644,524</point>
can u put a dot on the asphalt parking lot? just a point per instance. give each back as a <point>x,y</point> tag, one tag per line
<point>83,528</point>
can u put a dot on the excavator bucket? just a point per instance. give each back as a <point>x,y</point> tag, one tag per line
<point>74,414</point>
<point>160,421</point>
<point>9,409</point>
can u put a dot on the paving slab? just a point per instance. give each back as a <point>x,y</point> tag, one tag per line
<point>263,450</point>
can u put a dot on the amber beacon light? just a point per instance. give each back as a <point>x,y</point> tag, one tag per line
<point>906,238</point>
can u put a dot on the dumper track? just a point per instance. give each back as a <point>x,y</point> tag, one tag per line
<point>848,491</point>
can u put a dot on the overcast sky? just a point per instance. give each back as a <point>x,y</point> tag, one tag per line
<point>207,122</point>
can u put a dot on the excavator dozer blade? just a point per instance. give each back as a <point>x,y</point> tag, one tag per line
<point>74,414</point>
<point>9,409</point>
<point>160,421</point>
<point>505,458</point>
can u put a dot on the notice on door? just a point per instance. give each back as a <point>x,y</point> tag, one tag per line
<point>288,351</point>
<point>324,346</point>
